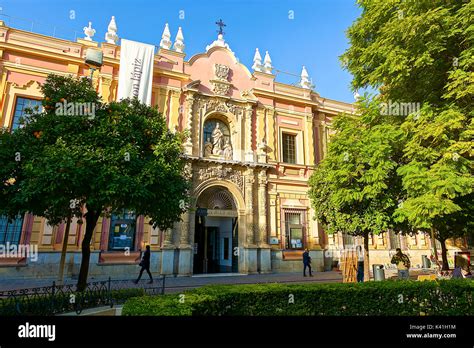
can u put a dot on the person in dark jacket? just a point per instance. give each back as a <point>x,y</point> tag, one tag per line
<point>307,263</point>
<point>145,264</point>
<point>360,264</point>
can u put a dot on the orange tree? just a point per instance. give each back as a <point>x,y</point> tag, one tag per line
<point>94,158</point>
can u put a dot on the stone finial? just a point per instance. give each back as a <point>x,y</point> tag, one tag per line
<point>89,32</point>
<point>220,42</point>
<point>111,35</point>
<point>257,61</point>
<point>304,81</point>
<point>267,63</point>
<point>166,38</point>
<point>356,96</point>
<point>179,41</point>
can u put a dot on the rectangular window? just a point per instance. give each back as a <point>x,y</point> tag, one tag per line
<point>122,231</point>
<point>21,105</point>
<point>294,230</point>
<point>348,240</point>
<point>289,148</point>
<point>10,230</point>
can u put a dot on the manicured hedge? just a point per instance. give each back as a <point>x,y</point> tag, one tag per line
<point>404,298</point>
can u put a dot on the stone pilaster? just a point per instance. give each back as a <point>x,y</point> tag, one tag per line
<point>248,134</point>
<point>261,136</point>
<point>105,88</point>
<point>189,124</point>
<point>270,118</point>
<point>184,231</point>
<point>324,138</point>
<point>262,209</point>
<point>310,147</point>
<point>168,238</point>
<point>249,195</point>
<point>174,110</point>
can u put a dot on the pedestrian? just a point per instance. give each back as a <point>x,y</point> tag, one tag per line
<point>360,264</point>
<point>307,263</point>
<point>403,264</point>
<point>145,265</point>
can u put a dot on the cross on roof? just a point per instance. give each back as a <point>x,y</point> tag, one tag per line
<point>221,25</point>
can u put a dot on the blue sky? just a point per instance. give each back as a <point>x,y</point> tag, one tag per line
<point>314,37</point>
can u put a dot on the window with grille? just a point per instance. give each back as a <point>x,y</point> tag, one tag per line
<point>21,106</point>
<point>122,231</point>
<point>10,230</point>
<point>289,148</point>
<point>294,229</point>
<point>348,240</point>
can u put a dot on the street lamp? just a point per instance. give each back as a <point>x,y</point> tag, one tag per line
<point>94,60</point>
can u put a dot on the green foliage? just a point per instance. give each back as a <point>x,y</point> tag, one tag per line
<point>355,188</point>
<point>123,156</point>
<point>405,298</point>
<point>419,52</point>
<point>438,170</point>
<point>102,157</point>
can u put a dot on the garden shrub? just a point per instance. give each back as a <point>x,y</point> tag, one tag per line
<point>396,298</point>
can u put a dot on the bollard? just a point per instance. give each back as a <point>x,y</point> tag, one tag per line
<point>379,272</point>
<point>425,261</point>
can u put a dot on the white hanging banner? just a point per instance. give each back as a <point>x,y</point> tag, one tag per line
<point>136,71</point>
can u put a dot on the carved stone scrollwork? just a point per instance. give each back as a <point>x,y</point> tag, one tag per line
<point>221,84</point>
<point>188,171</point>
<point>262,178</point>
<point>218,172</point>
<point>221,88</point>
<point>189,124</point>
<point>221,72</point>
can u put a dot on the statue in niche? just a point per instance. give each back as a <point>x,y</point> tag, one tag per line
<point>207,148</point>
<point>217,140</point>
<point>228,150</point>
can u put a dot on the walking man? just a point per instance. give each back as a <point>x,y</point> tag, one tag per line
<point>307,263</point>
<point>360,264</point>
<point>403,264</point>
<point>145,264</point>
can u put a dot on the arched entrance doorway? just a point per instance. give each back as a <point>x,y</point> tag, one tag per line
<point>216,232</point>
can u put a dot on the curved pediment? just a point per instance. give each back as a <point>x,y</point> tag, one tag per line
<point>220,73</point>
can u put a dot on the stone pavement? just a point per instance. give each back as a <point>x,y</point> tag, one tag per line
<point>176,284</point>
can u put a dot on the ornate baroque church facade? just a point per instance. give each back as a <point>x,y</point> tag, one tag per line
<point>253,144</point>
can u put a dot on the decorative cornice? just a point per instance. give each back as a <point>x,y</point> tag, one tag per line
<point>234,163</point>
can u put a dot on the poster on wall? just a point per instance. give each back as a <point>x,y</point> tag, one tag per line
<point>136,71</point>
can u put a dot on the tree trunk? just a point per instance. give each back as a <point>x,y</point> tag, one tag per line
<point>62,261</point>
<point>91,221</point>
<point>433,243</point>
<point>366,258</point>
<point>444,255</point>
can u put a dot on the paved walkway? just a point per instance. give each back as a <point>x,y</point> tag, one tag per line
<point>176,284</point>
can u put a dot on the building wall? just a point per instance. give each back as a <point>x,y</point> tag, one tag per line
<point>257,109</point>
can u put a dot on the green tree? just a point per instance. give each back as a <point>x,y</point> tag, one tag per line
<point>422,52</point>
<point>355,189</point>
<point>101,158</point>
<point>438,174</point>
